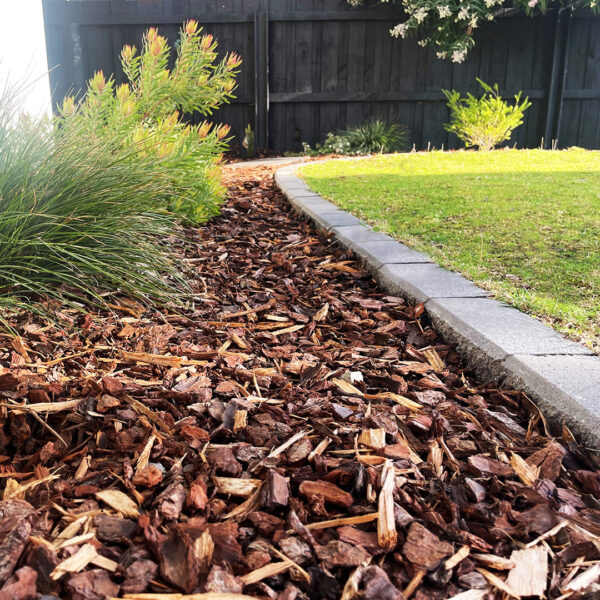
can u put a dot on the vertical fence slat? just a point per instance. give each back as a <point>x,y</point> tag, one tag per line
<point>261,84</point>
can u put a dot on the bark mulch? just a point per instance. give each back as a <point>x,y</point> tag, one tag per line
<point>297,434</point>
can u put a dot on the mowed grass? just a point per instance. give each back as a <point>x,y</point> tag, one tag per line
<point>524,224</point>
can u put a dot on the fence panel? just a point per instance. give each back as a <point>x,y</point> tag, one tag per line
<point>313,66</point>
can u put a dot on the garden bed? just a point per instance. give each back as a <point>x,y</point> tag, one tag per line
<point>297,434</point>
<point>520,223</point>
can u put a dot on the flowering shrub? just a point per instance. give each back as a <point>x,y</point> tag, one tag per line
<point>448,25</point>
<point>487,121</point>
<point>373,136</point>
<point>147,113</point>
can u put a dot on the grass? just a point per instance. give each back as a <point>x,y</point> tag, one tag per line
<point>524,224</point>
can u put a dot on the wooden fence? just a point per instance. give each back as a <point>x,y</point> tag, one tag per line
<point>313,66</point>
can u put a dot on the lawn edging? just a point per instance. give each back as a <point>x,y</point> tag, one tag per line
<point>498,342</point>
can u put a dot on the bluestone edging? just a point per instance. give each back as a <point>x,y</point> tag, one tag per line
<point>498,342</point>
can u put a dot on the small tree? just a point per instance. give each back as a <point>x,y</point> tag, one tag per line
<point>147,113</point>
<point>487,121</point>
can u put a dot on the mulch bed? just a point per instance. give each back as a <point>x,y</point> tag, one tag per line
<point>297,434</point>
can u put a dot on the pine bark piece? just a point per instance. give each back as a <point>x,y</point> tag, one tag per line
<point>529,576</point>
<point>114,529</point>
<point>370,583</point>
<point>387,536</point>
<point>91,584</point>
<point>178,564</point>
<point>12,547</point>
<point>328,491</point>
<point>425,549</point>
<point>276,491</point>
<point>360,538</point>
<point>484,465</point>
<point>339,554</point>
<point>41,557</point>
<point>396,451</point>
<point>548,460</point>
<point>23,586</point>
<point>170,501</point>
<point>138,575</point>
<point>223,460</point>
<point>221,583</point>
<point>299,450</point>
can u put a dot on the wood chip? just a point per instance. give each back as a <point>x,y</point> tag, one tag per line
<point>530,574</point>
<point>495,581</point>
<point>79,561</point>
<point>265,572</point>
<point>372,438</point>
<point>119,502</point>
<point>387,536</point>
<point>236,486</point>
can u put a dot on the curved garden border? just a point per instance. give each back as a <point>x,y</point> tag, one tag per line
<point>498,342</point>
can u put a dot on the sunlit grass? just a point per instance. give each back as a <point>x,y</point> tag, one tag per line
<point>522,223</point>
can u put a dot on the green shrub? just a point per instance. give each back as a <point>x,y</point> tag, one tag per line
<point>79,217</point>
<point>487,121</point>
<point>372,137</point>
<point>149,110</point>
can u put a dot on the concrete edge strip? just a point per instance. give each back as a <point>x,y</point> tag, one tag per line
<point>498,342</point>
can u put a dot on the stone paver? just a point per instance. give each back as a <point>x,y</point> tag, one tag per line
<point>487,331</point>
<point>565,388</point>
<point>350,234</point>
<point>420,282</point>
<point>336,219</point>
<point>375,254</point>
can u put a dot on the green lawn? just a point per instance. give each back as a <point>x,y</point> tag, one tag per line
<point>524,224</point>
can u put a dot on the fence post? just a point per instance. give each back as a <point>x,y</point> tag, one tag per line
<point>261,78</point>
<point>557,81</point>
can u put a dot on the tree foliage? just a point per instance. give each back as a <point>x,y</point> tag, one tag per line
<point>449,25</point>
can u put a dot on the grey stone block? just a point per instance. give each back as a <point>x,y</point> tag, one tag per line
<point>348,235</point>
<point>314,204</point>
<point>336,219</point>
<point>566,388</point>
<point>303,193</point>
<point>420,282</point>
<point>487,331</point>
<point>375,254</point>
<point>286,176</point>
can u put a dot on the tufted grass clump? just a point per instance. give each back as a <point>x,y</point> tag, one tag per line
<point>80,216</point>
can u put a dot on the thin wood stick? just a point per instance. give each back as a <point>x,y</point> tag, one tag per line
<point>386,524</point>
